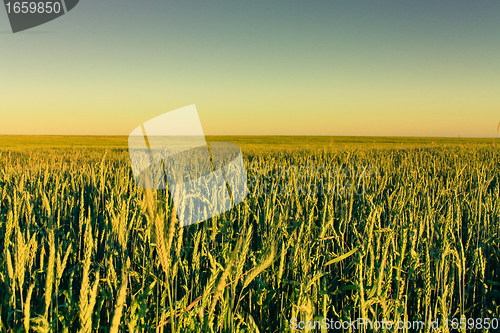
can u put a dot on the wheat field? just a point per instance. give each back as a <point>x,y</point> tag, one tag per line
<point>387,229</point>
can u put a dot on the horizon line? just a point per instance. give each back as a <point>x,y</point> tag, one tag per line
<point>266,135</point>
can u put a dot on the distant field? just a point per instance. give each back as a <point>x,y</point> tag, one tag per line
<point>293,142</point>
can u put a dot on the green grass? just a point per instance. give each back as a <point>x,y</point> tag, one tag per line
<point>83,249</point>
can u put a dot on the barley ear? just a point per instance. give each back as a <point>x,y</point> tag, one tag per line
<point>260,268</point>
<point>120,301</point>
<point>27,309</point>
<point>50,273</point>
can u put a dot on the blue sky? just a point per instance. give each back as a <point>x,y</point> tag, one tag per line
<point>406,68</point>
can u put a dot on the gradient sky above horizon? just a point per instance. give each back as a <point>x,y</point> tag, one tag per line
<point>282,67</point>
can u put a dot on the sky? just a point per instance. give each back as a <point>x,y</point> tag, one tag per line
<point>280,67</point>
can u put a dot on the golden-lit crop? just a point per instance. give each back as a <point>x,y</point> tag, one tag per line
<point>83,249</point>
